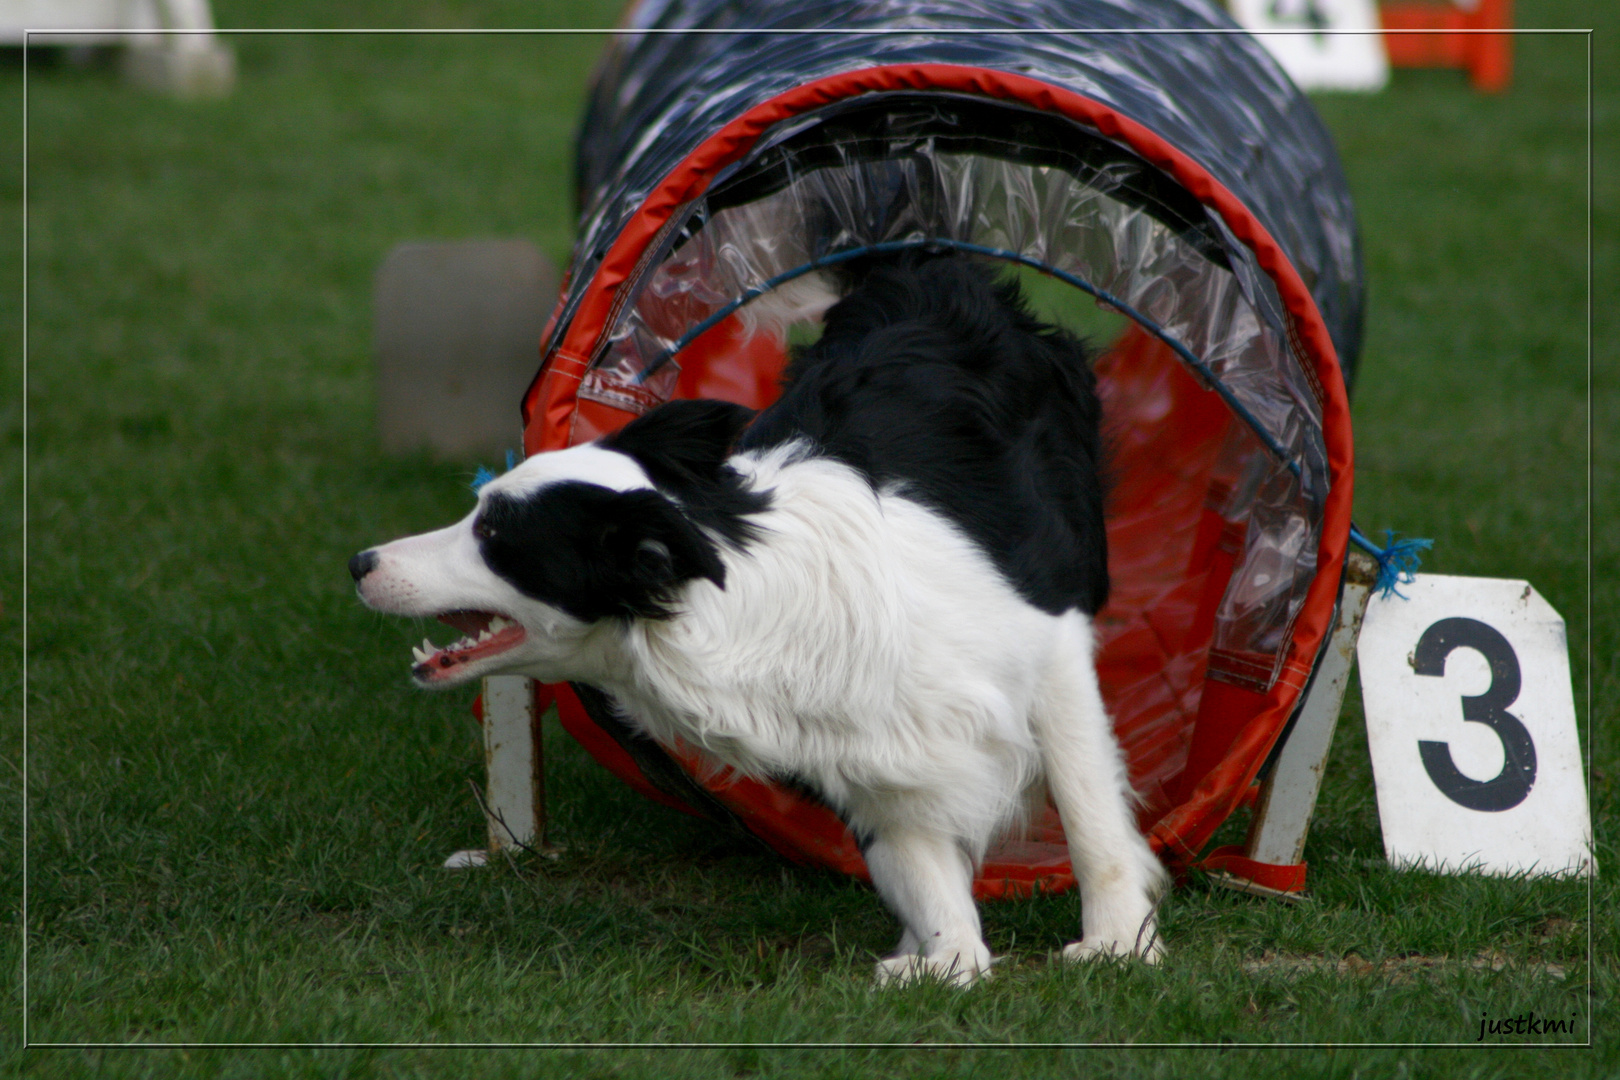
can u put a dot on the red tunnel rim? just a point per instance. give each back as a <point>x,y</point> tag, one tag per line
<point>551,401</point>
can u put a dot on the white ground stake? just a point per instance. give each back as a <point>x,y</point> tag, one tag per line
<point>515,794</point>
<point>1287,799</point>
<point>1282,814</point>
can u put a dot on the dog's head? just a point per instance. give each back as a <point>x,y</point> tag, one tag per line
<point>568,541</point>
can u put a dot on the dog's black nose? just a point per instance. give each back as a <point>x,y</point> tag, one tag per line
<point>362,564</point>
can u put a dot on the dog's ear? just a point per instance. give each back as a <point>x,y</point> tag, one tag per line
<point>650,548</point>
<point>683,442</point>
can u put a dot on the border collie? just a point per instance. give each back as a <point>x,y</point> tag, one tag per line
<point>880,588</point>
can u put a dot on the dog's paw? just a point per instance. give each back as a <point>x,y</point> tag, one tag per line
<point>1110,948</point>
<point>955,969</point>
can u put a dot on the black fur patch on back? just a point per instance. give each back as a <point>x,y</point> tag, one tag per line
<point>683,447</point>
<point>932,377</point>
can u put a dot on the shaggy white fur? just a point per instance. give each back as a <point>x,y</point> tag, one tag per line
<point>863,644</point>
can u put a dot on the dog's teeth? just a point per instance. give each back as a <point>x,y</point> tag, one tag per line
<point>497,624</point>
<point>427,645</point>
<point>485,635</point>
<point>420,655</point>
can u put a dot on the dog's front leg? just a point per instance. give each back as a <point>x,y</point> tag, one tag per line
<point>927,880</point>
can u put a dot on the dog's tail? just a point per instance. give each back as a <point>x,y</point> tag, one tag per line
<point>804,299</point>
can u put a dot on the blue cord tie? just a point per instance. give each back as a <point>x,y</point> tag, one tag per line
<point>1398,560</point>
<point>484,476</point>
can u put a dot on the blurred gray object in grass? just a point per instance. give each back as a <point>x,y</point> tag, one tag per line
<point>188,61</point>
<point>456,340</point>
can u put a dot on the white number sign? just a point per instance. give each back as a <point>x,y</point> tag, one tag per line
<point>1314,47</point>
<point>1471,726</point>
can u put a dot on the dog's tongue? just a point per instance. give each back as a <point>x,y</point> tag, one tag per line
<point>471,623</point>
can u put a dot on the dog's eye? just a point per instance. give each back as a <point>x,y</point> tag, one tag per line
<point>483,530</point>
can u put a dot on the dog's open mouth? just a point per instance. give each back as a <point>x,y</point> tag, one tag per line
<point>486,635</point>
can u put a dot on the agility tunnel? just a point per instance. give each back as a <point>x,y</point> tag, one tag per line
<point>1147,155</point>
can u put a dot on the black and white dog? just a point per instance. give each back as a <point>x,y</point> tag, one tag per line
<point>881,589</point>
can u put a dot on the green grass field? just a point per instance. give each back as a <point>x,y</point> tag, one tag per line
<point>236,807</point>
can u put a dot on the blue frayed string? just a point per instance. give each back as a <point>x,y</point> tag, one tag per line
<point>484,476</point>
<point>1398,560</point>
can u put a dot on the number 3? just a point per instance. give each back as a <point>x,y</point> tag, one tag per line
<point>1509,787</point>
